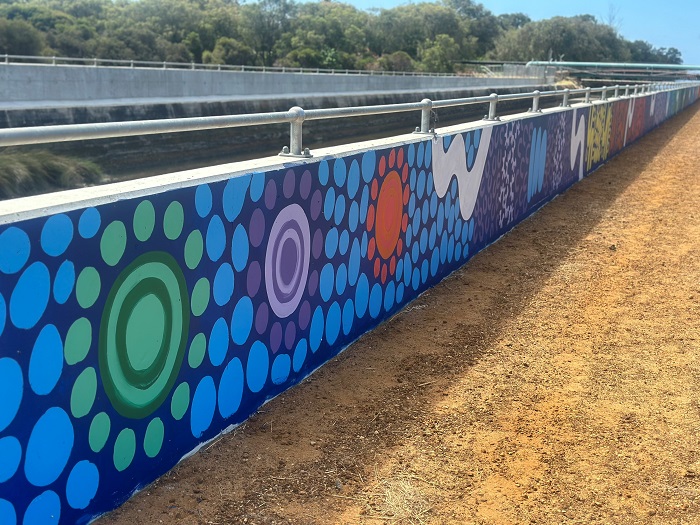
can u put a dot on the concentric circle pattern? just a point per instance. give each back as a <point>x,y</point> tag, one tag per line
<point>132,332</point>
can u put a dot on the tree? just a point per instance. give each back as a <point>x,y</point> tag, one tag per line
<point>439,55</point>
<point>231,51</point>
<point>18,37</point>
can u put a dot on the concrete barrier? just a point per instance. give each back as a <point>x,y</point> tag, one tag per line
<point>140,320</point>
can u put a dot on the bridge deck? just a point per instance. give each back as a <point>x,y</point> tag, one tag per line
<point>553,379</point>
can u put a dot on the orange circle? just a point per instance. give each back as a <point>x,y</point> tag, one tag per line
<point>389,214</point>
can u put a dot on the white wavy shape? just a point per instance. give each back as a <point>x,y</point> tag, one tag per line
<point>652,107</point>
<point>453,163</point>
<point>578,143</point>
<point>630,118</point>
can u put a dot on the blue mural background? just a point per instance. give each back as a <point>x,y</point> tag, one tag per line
<point>134,331</point>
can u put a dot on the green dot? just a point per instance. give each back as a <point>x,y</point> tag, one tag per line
<point>194,248</point>
<point>124,449</point>
<point>153,439</point>
<point>144,220</point>
<point>144,332</point>
<point>173,221</point>
<point>99,431</point>
<point>113,243</point>
<point>87,287</point>
<point>200,296</point>
<point>83,395</point>
<point>198,349</point>
<point>180,401</point>
<point>78,341</point>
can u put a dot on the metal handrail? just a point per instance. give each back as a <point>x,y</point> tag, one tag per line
<point>296,117</point>
<point>108,62</point>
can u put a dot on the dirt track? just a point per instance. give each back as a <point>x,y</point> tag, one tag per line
<point>554,379</point>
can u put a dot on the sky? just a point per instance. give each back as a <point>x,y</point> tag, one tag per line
<point>669,23</point>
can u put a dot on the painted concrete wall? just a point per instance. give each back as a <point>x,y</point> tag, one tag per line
<point>23,82</point>
<point>137,325</point>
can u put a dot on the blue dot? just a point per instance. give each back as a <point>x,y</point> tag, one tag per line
<point>203,406</point>
<point>399,269</point>
<point>411,154</point>
<point>14,250</point>
<point>234,195</point>
<point>465,233</point>
<point>56,235</point>
<point>10,456</point>
<point>63,283</point>
<point>339,171</point>
<point>327,281</point>
<point>316,331</point>
<point>412,180</point>
<point>223,284</point>
<point>412,205</point>
<point>432,238</point>
<point>416,221</point>
<point>3,313</point>
<point>323,172</point>
<point>48,448</point>
<point>280,369</point>
<point>477,137</point>
<point>331,242</point>
<point>453,188</point>
<point>408,269</point>
<point>446,141</point>
<point>11,388</point>
<point>30,296</point>
<point>415,280</point>
<point>465,251</point>
<point>46,361</point>
<point>421,153</point>
<point>435,262</point>
<point>89,223</point>
<point>399,293</point>
<point>375,300</point>
<point>218,342</point>
<point>216,238</point>
<point>470,156</point>
<point>458,228</point>
<point>450,249</point>
<point>353,179</point>
<point>257,186</point>
<point>257,366</point>
<point>240,248</point>
<point>430,189</point>
<point>344,242</point>
<point>409,235</point>
<point>458,250</point>
<point>231,388</point>
<point>365,242</point>
<point>353,263</point>
<point>424,270</point>
<point>341,279</point>
<point>443,249</point>
<point>299,355</point>
<point>415,252</point>
<point>329,204</point>
<point>364,204</point>
<point>354,216</point>
<point>348,316</point>
<point>242,320</point>
<point>428,155</point>
<point>433,205</point>
<point>203,200</point>
<point>423,240</point>
<point>45,509</point>
<point>361,295</point>
<point>339,211</point>
<point>471,229</point>
<point>333,323</point>
<point>441,217</point>
<point>8,516</point>
<point>369,161</point>
<point>82,484</point>
<point>389,295</point>
<point>425,213</point>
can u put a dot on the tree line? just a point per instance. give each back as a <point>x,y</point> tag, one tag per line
<point>425,36</point>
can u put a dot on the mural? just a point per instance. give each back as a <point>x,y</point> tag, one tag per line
<point>132,332</point>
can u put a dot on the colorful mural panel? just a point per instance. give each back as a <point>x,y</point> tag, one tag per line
<point>132,332</point>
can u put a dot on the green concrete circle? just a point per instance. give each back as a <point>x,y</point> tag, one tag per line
<point>113,243</point>
<point>180,401</point>
<point>194,249</point>
<point>83,394</point>
<point>87,287</point>
<point>200,296</point>
<point>153,440</point>
<point>124,449</point>
<point>173,221</point>
<point>99,431</point>
<point>78,341</point>
<point>198,349</point>
<point>144,221</point>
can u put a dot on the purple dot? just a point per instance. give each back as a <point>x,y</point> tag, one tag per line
<point>288,187</point>
<point>254,275</point>
<point>270,195</point>
<point>316,203</point>
<point>290,335</point>
<point>317,244</point>
<point>261,318</point>
<point>275,337</point>
<point>256,231</point>
<point>304,315</point>
<point>313,282</point>
<point>305,185</point>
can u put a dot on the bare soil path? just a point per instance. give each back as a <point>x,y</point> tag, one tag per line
<point>554,379</point>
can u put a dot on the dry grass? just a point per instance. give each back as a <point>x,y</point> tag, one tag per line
<point>398,499</point>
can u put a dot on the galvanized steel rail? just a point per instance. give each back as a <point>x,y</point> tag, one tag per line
<point>296,117</point>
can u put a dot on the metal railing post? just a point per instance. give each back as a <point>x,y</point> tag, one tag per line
<point>627,90</point>
<point>604,93</point>
<point>536,102</point>
<point>7,58</point>
<point>425,115</point>
<point>492,107</point>
<point>587,100</point>
<point>295,134</point>
<point>617,91</point>
<point>565,100</point>
<point>636,88</point>
<point>53,61</point>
